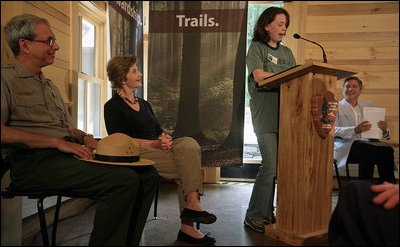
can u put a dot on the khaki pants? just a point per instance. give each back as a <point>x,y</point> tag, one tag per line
<point>183,165</point>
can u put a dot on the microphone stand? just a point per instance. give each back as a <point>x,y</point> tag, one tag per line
<point>296,36</point>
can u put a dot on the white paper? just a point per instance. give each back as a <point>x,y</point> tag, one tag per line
<point>373,115</point>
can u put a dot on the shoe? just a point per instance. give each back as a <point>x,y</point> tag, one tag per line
<point>257,226</point>
<point>198,216</point>
<point>189,239</point>
<point>269,220</point>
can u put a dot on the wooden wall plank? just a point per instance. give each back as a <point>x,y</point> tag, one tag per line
<point>388,101</point>
<point>351,43</point>
<point>54,22</point>
<point>59,77</point>
<point>374,68</point>
<point>339,91</point>
<point>353,36</point>
<point>343,2</point>
<point>62,6</point>
<point>57,13</point>
<point>348,24</point>
<point>354,9</point>
<point>354,52</point>
<point>351,61</point>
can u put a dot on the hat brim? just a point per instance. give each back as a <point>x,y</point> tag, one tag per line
<point>141,162</point>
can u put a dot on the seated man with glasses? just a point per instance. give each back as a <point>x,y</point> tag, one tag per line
<point>33,113</point>
<point>350,147</point>
<point>50,41</point>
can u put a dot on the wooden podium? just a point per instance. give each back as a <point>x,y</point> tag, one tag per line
<point>305,159</point>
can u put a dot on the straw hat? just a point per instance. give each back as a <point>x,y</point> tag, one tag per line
<point>118,149</point>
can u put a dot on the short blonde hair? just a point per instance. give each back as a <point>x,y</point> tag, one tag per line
<point>117,69</point>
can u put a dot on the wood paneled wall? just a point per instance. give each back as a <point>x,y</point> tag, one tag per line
<point>363,35</point>
<point>58,14</point>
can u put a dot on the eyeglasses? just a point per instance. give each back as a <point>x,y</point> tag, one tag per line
<point>50,41</point>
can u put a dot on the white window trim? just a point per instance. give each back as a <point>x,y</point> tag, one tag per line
<point>93,14</point>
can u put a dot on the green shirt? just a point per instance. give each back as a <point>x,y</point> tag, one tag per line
<point>264,105</point>
<point>32,105</point>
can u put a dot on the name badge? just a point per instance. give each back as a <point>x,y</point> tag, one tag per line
<point>272,59</point>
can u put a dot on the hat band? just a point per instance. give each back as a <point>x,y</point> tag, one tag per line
<point>109,158</point>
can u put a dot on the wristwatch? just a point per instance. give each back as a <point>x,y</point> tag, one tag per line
<point>86,134</point>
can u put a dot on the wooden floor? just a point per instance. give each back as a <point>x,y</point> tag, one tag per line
<point>229,201</point>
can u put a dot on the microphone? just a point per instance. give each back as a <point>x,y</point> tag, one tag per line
<point>296,36</point>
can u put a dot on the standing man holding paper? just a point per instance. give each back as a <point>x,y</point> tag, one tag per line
<point>350,146</point>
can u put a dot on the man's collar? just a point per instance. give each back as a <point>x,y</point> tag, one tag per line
<point>350,103</point>
<point>22,71</point>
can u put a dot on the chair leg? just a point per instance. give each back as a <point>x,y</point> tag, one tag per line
<point>156,198</point>
<point>56,214</point>
<point>347,172</point>
<point>42,221</point>
<point>337,174</point>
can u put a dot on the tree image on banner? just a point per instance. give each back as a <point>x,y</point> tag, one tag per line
<point>197,74</point>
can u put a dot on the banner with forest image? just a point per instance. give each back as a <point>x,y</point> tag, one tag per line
<point>126,31</point>
<point>196,76</point>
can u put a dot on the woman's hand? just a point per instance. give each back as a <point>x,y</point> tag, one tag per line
<point>388,195</point>
<point>165,141</point>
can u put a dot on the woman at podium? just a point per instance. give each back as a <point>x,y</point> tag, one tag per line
<point>266,57</point>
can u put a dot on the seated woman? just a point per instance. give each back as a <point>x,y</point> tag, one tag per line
<point>178,159</point>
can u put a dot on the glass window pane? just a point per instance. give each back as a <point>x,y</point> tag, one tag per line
<point>88,47</point>
<point>81,104</point>
<point>93,108</point>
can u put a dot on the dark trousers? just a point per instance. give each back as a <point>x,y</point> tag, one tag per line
<point>123,194</point>
<point>358,221</point>
<point>367,155</point>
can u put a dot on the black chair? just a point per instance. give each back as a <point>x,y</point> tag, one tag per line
<point>348,172</point>
<point>156,203</point>
<point>8,149</point>
<point>337,173</point>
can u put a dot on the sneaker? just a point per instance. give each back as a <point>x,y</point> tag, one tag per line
<point>269,220</point>
<point>257,226</point>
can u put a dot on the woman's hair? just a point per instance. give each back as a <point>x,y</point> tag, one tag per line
<point>268,16</point>
<point>21,27</point>
<point>117,69</point>
<point>353,78</point>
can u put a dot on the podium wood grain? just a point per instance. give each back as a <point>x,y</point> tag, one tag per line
<point>304,176</point>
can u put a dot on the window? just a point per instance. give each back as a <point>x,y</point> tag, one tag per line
<point>90,59</point>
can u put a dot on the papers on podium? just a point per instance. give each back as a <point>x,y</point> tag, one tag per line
<point>373,115</point>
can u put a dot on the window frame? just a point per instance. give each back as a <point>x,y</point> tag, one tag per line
<point>91,13</point>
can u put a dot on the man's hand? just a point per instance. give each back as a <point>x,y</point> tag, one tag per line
<point>362,127</point>
<point>383,126</point>
<point>388,195</point>
<point>90,143</point>
<point>75,148</point>
<point>165,142</point>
